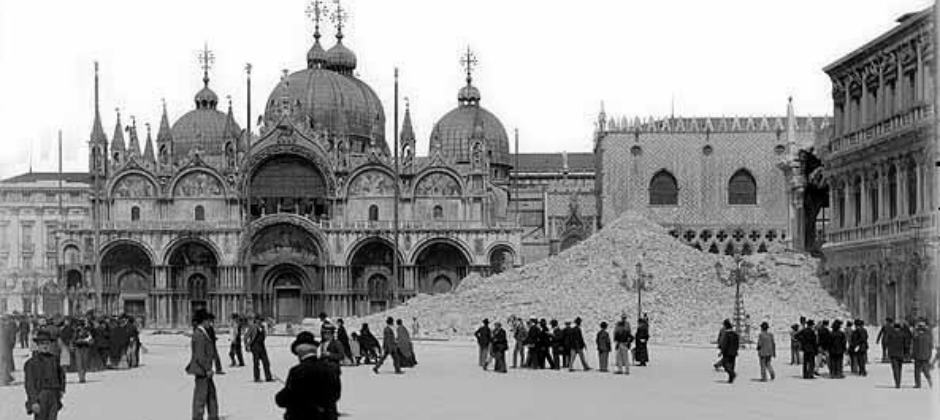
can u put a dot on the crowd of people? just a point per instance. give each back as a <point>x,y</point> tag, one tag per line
<point>81,344</point>
<point>541,343</point>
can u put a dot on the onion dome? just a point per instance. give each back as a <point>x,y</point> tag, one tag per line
<point>205,130</point>
<point>340,58</point>
<point>471,121</point>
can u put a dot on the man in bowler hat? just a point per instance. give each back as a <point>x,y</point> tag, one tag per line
<point>45,380</point>
<point>200,365</point>
<point>313,386</point>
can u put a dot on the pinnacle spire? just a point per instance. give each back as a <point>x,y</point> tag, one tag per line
<point>407,131</point>
<point>117,141</point>
<point>133,145</point>
<point>149,157</point>
<point>97,131</point>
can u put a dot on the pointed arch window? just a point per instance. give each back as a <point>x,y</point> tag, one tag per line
<point>373,213</point>
<point>912,189</point>
<point>664,190</point>
<point>742,188</point>
<point>199,213</point>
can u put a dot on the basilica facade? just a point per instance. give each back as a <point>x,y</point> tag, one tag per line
<point>300,218</point>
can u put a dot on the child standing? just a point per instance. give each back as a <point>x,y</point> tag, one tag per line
<point>44,381</point>
<point>603,347</point>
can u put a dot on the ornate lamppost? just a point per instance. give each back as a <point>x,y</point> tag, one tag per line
<point>737,275</point>
<point>641,282</point>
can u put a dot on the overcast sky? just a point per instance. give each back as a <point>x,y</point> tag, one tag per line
<point>544,66</point>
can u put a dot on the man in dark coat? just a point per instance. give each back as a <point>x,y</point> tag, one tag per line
<point>44,380</point>
<point>217,361</point>
<point>562,343</point>
<point>880,338</point>
<point>343,339</point>
<point>498,346</point>
<point>642,355</point>
<point>254,341</point>
<point>484,340</point>
<point>837,346</point>
<point>235,347</point>
<point>389,347</point>
<point>519,332</point>
<point>312,388</point>
<point>118,341</point>
<point>531,343</point>
<point>809,344</point>
<point>543,344</point>
<point>24,332</point>
<point>200,366</point>
<point>101,337</point>
<point>824,336</point>
<point>82,349</point>
<point>602,340</point>
<point>894,342</point>
<point>7,342</point>
<point>730,342</point>
<point>920,351</point>
<point>908,336</point>
<point>858,345</point>
<point>577,346</point>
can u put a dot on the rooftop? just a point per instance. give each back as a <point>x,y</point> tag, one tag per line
<point>33,177</point>
<point>552,162</point>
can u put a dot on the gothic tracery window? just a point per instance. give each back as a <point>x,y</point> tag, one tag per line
<point>742,188</point>
<point>664,190</point>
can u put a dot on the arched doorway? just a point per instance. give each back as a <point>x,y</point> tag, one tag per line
<point>192,272</point>
<point>437,261</point>
<point>281,257</point>
<point>501,259</point>
<point>127,272</point>
<point>370,271</point>
<point>287,285</point>
<point>74,288</point>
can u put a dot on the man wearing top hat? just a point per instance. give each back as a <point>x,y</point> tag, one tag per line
<point>45,380</point>
<point>313,387</point>
<point>200,366</point>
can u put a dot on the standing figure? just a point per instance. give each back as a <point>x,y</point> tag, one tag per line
<point>908,336</point>
<point>483,337</point>
<point>766,351</point>
<point>853,360</point>
<point>312,388</point>
<point>824,338</point>
<point>623,337</point>
<point>389,347</point>
<point>499,346</point>
<point>254,341</point>
<point>922,347</point>
<point>216,360</point>
<point>559,356</point>
<point>519,333</point>
<point>642,338</point>
<point>24,332</point>
<point>415,327</point>
<point>331,350</point>
<point>7,343</point>
<point>235,347</point>
<point>603,347</point>
<point>577,346</point>
<point>880,338</point>
<point>794,345</point>
<point>531,341</point>
<point>859,344</point>
<point>83,346</point>
<point>343,339</point>
<point>355,352</point>
<point>406,349</point>
<point>809,344</point>
<point>368,345</point>
<point>837,346</point>
<point>200,366</point>
<point>44,380</point>
<point>729,349</point>
<point>895,343</point>
<point>134,334</point>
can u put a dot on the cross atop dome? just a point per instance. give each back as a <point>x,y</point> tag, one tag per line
<point>206,59</point>
<point>315,11</point>
<point>339,18</point>
<point>469,61</point>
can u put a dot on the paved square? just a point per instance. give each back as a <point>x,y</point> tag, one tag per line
<point>446,384</point>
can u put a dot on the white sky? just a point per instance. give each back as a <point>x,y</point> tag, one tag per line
<point>544,65</point>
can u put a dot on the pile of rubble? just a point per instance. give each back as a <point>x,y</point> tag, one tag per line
<point>684,298</point>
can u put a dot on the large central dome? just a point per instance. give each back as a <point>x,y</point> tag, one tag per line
<point>333,98</point>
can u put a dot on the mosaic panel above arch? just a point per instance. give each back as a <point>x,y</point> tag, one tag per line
<point>198,184</point>
<point>372,184</point>
<point>438,184</point>
<point>134,186</point>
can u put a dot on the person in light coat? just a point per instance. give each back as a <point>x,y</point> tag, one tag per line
<point>766,350</point>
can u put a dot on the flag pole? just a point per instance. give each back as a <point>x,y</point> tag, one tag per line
<point>395,233</point>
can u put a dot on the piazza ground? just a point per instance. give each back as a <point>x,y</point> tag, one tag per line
<point>678,384</point>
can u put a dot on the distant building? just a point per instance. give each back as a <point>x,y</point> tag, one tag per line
<point>715,183</point>
<point>30,217</point>
<point>882,246</point>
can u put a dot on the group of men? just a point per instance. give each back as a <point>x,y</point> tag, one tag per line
<point>541,342</point>
<point>899,345</point>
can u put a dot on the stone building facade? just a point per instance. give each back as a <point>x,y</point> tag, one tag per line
<point>881,251</point>
<point>715,183</point>
<point>30,217</point>
<point>299,219</point>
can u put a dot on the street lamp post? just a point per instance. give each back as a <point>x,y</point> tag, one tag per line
<point>640,283</point>
<point>737,276</point>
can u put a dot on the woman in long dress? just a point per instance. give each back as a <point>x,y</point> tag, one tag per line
<point>405,348</point>
<point>642,337</point>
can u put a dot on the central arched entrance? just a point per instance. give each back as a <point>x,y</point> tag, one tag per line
<point>127,272</point>
<point>440,265</point>
<point>370,275</point>
<point>288,184</point>
<point>287,271</point>
<point>193,270</point>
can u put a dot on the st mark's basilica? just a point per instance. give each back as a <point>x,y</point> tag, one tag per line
<point>298,220</point>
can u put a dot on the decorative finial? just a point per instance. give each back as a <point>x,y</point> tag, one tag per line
<point>206,59</point>
<point>284,73</point>
<point>229,98</point>
<point>118,112</point>
<point>407,104</point>
<point>315,11</point>
<point>339,18</point>
<point>248,69</point>
<point>163,102</point>
<point>148,129</point>
<point>134,122</point>
<point>469,61</point>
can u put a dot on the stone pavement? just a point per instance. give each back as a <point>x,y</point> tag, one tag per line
<point>679,383</point>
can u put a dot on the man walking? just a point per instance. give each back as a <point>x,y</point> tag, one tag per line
<point>729,350</point>
<point>894,340</point>
<point>858,342</point>
<point>254,340</point>
<point>389,347</point>
<point>200,365</point>
<point>880,338</point>
<point>766,350</point>
<point>499,346</point>
<point>577,346</point>
<point>921,349</point>
<point>235,347</point>
<point>484,339</point>
<point>809,344</point>
<point>837,346</point>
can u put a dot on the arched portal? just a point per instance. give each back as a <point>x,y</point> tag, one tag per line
<point>286,284</point>
<point>370,272</point>
<point>288,184</point>
<point>440,259</point>
<point>127,270</point>
<point>286,263</point>
<point>501,259</point>
<point>74,288</point>
<point>193,270</point>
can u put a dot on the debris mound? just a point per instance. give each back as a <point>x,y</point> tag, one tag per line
<point>595,280</point>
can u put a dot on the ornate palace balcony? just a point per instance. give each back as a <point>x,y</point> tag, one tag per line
<point>888,229</point>
<point>874,133</point>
